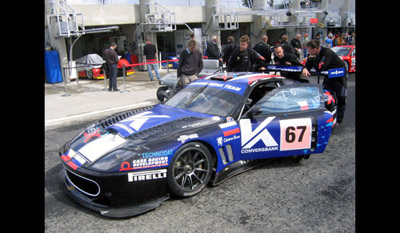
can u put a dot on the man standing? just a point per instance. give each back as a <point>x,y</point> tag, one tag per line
<point>243,58</point>
<point>213,51</point>
<point>288,48</point>
<point>305,49</point>
<point>296,44</point>
<point>150,52</point>
<point>111,58</point>
<point>229,48</point>
<point>190,64</point>
<point>264,49</point>
<point>323,59</point>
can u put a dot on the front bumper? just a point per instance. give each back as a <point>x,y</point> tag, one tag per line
<point>108,203</point>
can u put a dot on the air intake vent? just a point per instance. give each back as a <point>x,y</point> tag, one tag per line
<point>224,152</point>
<point>120,116</point>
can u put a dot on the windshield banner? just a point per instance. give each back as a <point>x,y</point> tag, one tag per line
<point>232,87</point>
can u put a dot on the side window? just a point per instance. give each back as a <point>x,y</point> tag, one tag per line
<point>259,92</point>
<point>292,98</point>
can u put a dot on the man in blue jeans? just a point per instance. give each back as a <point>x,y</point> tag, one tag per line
<point>111,58</point>
<point>150,52</point>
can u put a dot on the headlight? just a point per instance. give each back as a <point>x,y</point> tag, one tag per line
<point>112,162</point>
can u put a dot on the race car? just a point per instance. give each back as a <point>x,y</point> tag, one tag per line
<point>97,73</point>
<point>345,52</point>
<point>214,128</point>
<point>348,54</point>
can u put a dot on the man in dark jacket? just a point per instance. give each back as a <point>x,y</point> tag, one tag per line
<point>111,58</point>
<point>287,59</point>
<point>229,48</point>
<point>323,59</point>
<point>264,49</point>
<point>190,64</point>
<point>243,58</point>
<point>213,51</point>
<point>296,44</point>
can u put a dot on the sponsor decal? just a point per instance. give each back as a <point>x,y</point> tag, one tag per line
<point>184,138</point>
<point>156,154</point>
<point>250,137</point>
<point>294,134</point>
<point>147,175</point>
<point>236,88</point>
<point>221,141</point>
<point>145,163</point>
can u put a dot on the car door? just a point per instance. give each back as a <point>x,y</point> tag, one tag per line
<point>284,123</point>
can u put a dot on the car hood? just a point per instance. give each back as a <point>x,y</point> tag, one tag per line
<point>160,121</point>
<point>159,115</point>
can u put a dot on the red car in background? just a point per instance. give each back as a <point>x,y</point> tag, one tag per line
<point>97,73</point>
<point>348,55</point>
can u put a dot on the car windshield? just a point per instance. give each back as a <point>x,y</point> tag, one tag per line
<point>205,99</point>
<point>341,51</point>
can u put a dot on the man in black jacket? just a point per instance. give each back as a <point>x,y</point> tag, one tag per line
<point>323,59</point>
<point>150,51</point>
<point>111,58</point>
<point>229,48</point>
<point>243,58</point>
<point>190,64</point>
<point>213,51</point>
<point>287,59</point>
<point>264,49</point>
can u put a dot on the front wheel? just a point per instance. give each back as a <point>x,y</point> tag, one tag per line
<point>190,170</point>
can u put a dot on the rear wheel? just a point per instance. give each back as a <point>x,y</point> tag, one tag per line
<point>89,74</point>
<point>190,170</point>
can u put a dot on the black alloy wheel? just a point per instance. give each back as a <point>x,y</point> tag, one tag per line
<point>190,170</point>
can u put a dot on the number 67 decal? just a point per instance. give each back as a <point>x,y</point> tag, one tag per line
<point>295,134</point>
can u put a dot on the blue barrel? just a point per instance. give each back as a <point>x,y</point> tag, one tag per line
<point>52,66</point>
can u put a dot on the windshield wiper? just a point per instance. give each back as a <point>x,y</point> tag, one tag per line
<point>195,95</point>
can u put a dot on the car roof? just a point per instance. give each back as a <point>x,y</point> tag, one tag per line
<point>245,78</point>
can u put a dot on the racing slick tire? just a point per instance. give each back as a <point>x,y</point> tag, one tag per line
<point>190,170</point>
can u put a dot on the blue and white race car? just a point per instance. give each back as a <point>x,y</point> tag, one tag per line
<point>216,127</point>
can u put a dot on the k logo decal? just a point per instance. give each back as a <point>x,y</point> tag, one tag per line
<point>250,137</point>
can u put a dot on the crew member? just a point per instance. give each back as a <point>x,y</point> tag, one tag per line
<point>111,58</point>
<point>243,58</point>
<point>190,64</point>
<point>229,48</point>
<point>323,59</point>
<point>264,49</point>
<point>150,51</point>
<point>287,59</point>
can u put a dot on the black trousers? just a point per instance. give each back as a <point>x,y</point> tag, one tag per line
<point>112,76</point>
<point>339,86</point>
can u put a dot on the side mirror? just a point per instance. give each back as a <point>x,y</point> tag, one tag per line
<point>254,112</point>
